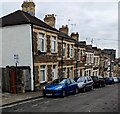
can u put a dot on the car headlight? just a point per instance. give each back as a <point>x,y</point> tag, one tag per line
<point>60,87</point>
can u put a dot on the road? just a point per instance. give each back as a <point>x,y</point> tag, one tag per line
<point>98,100</point>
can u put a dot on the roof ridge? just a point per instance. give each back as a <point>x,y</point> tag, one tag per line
<point>25,16</point>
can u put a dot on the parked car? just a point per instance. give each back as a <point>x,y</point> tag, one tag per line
<point>60,87</point>
<point>109,80</point>
<point>85,83</point>
<point>98,81</point>
<point>115,79</point>
<point>118,79</point>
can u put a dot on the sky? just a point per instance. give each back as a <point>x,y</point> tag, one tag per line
<point>94,20</point>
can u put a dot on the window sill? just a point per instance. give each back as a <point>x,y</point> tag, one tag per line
<point>39,52</point>
<point>53,52</point>
<point>43,82</point>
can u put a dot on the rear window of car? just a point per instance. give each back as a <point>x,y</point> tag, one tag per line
<point>72,81</point>
<point>94,77</point>
<point>89,78</point>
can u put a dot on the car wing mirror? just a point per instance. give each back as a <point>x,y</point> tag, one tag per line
<point>66,84</point>
<point>85,81</point>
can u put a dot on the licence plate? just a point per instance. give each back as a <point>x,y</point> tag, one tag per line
<point>48,94</point>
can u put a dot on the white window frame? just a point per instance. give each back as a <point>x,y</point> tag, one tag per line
<point>64,71</point>
<point>64,48</point>
<point>54,44</point>
<point>41,69</point>
<point>71,51</point>
<point>39,42</point>
<point>71,73</point>
<point>55,69</point>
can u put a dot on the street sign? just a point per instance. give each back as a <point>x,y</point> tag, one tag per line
<point>16,58</point>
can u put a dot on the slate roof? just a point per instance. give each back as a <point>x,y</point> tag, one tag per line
<point>20,17</point>
<point>65,36</point>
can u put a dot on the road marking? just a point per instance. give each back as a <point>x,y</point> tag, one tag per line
<point>20,103</point>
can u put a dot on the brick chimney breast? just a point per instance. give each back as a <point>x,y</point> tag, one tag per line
<point>64,29</point>
<point>75,36</point>
<point>50,19</point>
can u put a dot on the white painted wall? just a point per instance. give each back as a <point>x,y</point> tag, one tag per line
<point>17,40</point>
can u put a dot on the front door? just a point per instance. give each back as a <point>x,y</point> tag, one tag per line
<point>54,72</point>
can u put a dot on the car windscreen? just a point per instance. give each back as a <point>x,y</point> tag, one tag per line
<point>81,79</point>
<point>63,81</point>
<point>56,81</point>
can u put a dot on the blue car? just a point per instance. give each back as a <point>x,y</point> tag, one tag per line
<point>60,87</point>
<point>109,80</point>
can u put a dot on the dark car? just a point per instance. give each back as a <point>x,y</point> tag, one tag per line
<point>60,87</point>
<point>118,79</point>
<point>109,80</point>
<point>85,83</point>
<point>98,81</point>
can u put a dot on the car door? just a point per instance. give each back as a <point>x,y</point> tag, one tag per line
<point>90,81</point>
<point>73,85</point>
<point>68,86</point>
<point>86,82</point>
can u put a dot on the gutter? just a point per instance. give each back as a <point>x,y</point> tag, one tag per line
<point>33,57</point>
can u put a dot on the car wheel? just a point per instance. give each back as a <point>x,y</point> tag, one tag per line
<point>76,90</point>
<point>100,85</point>
<point>104,85</point>
<point>91,87</point>
<point>84,89</point>
<point>63,93</point>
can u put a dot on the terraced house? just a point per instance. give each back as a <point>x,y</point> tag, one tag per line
<point>46,53</point>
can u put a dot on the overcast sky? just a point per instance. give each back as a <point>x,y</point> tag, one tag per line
<point>93,19</point>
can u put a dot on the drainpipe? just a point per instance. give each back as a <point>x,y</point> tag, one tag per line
<point>76,61</point>
<point>110,73</point>
<point>33,58</point>
<point>62,57</point>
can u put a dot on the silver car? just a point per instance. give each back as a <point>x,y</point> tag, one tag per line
<point>85,83</point>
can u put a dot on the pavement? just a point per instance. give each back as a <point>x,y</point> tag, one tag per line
<point>103,99</point>
<point>9,98</point>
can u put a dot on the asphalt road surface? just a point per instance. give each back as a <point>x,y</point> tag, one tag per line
<point>98,100</point>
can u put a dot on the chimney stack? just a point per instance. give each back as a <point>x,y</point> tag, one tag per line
<point>50,19</point>
<point>29,7</point>
<point>75,36</point>
<point>64,29</point>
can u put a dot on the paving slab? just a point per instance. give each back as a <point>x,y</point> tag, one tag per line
<point>8,98</point>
